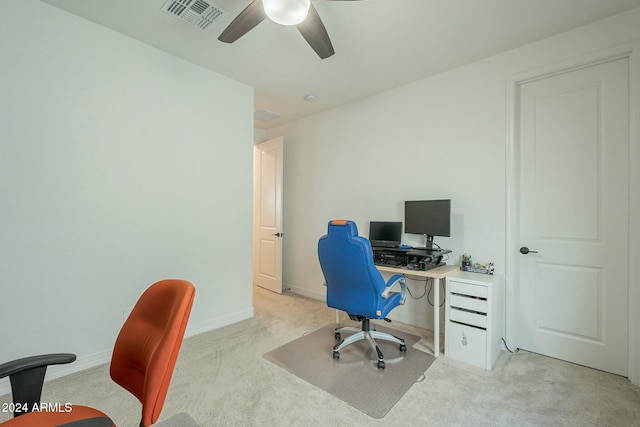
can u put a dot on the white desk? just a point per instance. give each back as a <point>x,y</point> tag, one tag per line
<point>436,274</point>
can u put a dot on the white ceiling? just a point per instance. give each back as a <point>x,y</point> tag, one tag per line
<point>379,44</point>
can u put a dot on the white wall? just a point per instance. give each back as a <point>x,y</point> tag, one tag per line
<point>120,165</point>
<point>440,137</point>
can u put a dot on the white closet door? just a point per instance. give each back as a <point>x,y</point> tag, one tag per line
<point>574,211</point>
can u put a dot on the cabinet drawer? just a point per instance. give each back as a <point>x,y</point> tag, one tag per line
<point>467,344</point>
<point>467,289</point>
<point>468,302</point>
<point>468,317</point>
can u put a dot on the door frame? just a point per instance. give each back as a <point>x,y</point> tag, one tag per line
<point>512,274</point>
<point>257,209</point>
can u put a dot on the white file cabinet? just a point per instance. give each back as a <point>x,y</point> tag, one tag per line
<point>474,323</point>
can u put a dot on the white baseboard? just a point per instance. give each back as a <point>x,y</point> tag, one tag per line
<point>398,314</point>
<point>83,363</point>
<point>420,322</point>
<point>320,296</point>
<point>219,322</point>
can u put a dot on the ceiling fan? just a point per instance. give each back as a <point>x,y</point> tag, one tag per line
<point>300,13</point>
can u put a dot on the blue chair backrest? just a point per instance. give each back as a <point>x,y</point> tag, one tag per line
<point>353,283</point>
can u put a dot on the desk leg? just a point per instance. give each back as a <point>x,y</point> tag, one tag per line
<point>436,317</point>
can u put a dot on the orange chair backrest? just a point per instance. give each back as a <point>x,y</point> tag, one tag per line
<point>147,347</point>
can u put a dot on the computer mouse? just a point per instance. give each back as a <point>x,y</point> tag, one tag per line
<point>405,247</point>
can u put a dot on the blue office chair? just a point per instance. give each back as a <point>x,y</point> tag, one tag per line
<point>355,286</point>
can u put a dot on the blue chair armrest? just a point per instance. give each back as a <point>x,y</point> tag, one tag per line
<point>396,278</point>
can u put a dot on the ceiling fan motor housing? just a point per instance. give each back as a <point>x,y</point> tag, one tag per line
<point>286,12</point>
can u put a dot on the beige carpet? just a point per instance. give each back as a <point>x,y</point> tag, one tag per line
<point>221,379</point>
<point>355,377</point>
<point>178,420</point>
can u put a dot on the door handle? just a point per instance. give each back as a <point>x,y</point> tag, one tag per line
<point>278,234</point>
<point>525,250</point>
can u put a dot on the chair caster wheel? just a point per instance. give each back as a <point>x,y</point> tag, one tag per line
<point>336,355</point>
<point>337,335</point>
<point>380,364</point>
<point>403,347</point>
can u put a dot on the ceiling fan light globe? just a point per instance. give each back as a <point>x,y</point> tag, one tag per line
<point>286,12</point>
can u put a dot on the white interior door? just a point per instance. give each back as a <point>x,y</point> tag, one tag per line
<point>574,212</point>
<point>267,268</point>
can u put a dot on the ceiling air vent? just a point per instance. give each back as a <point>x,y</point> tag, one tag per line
<point>264,115</point>
<point>199,13</point>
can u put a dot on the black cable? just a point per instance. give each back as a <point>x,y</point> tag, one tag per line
<point>507,347</point>
<point>440,303</point>
<point>427,281</point>
<point>425,289</point>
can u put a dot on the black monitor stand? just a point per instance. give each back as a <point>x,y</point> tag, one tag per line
<point>431,247</point>
<point>414,258</point>
<point>429,242</point>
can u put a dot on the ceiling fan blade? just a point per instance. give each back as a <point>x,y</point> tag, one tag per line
<point>314,32</point>
<point>251,16</point>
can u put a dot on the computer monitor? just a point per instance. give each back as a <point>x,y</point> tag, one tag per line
<point>429,218</point>
<point>385,233</point>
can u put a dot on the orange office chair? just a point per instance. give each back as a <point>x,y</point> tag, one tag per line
<point>143,359</point>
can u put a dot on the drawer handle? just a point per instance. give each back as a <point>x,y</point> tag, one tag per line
<point>466,310</point>
<point>468,296</point>
<point>466,324</point>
